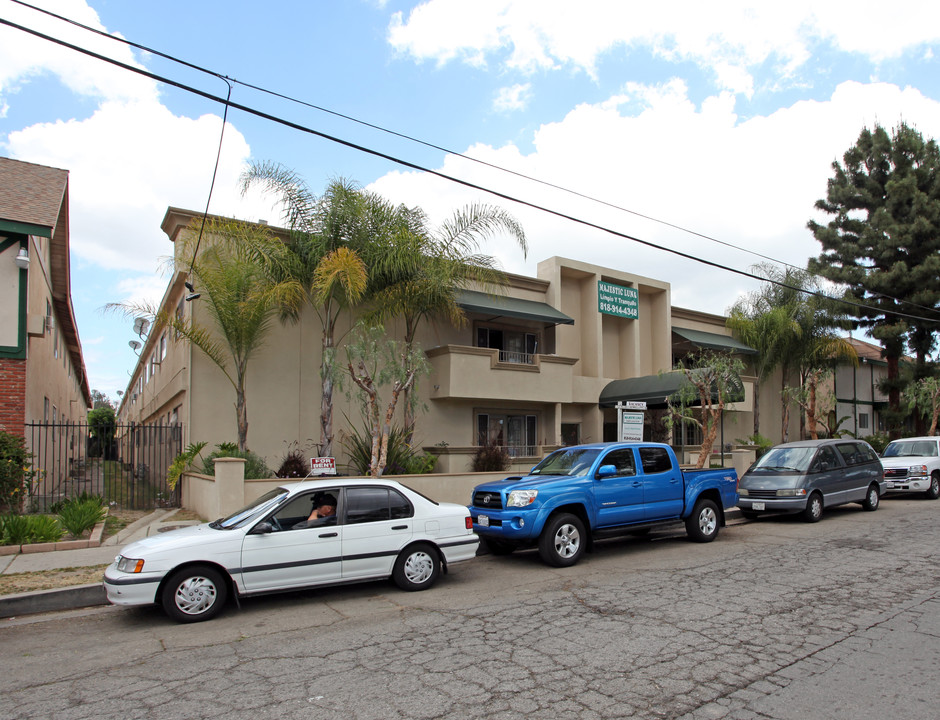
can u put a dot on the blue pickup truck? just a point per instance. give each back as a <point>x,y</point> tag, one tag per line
<point>582,492</point>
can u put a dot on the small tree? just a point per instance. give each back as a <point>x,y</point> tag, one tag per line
<point>374,360</point>
<point>924,396</point>
<point>102,427</point>
<point>713,380</point>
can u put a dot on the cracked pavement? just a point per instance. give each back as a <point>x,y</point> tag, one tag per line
<point>775,619</point>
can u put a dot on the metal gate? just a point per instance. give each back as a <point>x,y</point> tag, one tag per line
<point>124,464</point>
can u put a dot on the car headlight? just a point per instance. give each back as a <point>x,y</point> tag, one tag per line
<point>129,565</point>
<point>917,470</point>
<point>791,492</point>
<point>743,492</point>
<point>521,498</point>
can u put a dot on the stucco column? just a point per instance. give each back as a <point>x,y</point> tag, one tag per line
<point>229,485</point>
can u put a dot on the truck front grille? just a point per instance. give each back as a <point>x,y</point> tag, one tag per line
<point>490,500</point>
<point>895,473</point>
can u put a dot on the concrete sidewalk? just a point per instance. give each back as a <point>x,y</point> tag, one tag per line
<point>79,595</point>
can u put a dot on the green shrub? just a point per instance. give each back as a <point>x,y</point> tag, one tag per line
<point>85,496</point>
<point>255,467</point>
<point>14,470</point>
<point>25,529</point>
<point>182,462</point>
<point>401,458</point>
<point>77,516</point>
<point>878,441</point>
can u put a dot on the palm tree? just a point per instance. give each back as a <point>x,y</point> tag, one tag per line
<point>429,266</point>
<point>328,260</point>
<point>238,297</point>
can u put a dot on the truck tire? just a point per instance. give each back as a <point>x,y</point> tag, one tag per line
<point>934,491</point>
<point>702,524</point>
<point>561,543</point>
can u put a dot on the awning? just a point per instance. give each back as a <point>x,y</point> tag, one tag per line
<point>654,390</point>
<point>711,341</point>
<point>502,306</point>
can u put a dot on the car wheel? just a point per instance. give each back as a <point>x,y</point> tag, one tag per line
<point>814,508</point>
<point>193,594</point>
<point>702,524</point>
<point>417,568</point>
<point>499,547</point>
<point>934,491</point>
<point>872,498</point>
<point>561,543</point>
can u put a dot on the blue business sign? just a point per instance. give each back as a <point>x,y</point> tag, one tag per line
<point>618,300</point>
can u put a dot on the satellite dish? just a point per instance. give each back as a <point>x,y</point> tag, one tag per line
<point>135,346</point>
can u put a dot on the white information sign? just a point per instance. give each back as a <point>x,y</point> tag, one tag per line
<point>631,427</point>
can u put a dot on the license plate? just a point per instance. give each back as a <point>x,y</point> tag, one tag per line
<point>758,506</point>
<point>483,521</point>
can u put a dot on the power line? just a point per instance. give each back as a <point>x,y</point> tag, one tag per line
<point>414,166</point>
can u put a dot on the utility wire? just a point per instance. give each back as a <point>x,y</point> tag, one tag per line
<point>444,176</point>
<point>418,141</point>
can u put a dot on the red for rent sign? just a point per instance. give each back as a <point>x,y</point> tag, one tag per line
<point>322,466</point>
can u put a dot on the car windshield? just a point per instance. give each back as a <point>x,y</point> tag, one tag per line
<point>785,459</point>
<point>911,448</point>
<point>250,511</point>
<point>567,462</point>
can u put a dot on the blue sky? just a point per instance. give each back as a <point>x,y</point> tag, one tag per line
<point>723,120</point>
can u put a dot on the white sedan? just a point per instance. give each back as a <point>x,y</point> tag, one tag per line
<point>377,529</point>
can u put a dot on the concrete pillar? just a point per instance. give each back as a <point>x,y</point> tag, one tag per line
<point>229,485</point>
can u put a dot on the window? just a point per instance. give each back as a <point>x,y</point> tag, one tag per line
<point>373,504</point>
<point>622,460</point>
<point>517,433</point>
<point>162,353</point>
<point>828,456</point>
<point>45,409</point>
<point>180,310</point>
<point>655,460</point>
<point>863,421</point>
<point>571,433</point>
<point>515,346</point>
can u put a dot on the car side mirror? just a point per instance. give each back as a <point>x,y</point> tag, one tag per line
<point>262,528</point>
<point>606,471</point>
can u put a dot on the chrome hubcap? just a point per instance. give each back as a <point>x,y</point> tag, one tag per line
<point>419,567</point>
<point>707,521</point>
<point>567,541</point>
<point>195,595</point>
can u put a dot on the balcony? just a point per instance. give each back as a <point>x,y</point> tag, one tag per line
<point>473,373</point>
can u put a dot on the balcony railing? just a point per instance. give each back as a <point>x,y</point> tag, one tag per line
<point>520,358</point>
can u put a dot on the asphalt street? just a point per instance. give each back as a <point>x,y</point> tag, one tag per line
<point>775,619</point>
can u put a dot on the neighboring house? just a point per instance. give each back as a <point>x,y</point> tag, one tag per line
<point>858,398</point>
<point>42,372</point>
<point>533,369</point>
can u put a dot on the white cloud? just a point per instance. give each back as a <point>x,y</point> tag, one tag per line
<point>731,38</point>
<point>24,56</point>
<point>749,183</point>
<point>515,97</point>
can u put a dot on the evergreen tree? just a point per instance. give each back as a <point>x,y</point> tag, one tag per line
<point>883,241</point>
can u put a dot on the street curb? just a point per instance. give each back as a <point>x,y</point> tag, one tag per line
<point>52,600</point>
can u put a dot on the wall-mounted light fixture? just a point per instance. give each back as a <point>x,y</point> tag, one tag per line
<point>22,259</point>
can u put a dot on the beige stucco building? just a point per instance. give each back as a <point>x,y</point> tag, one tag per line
<point>528,369</point>
<point>42,372</point>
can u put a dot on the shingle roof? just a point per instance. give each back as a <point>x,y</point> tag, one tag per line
<point>31,193</point>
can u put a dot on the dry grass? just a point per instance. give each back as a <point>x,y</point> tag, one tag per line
<point>50,579</point>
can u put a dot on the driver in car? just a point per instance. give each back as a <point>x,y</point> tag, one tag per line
<point>324,513</point>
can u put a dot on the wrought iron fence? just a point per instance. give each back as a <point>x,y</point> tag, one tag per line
<point>124,464</point>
